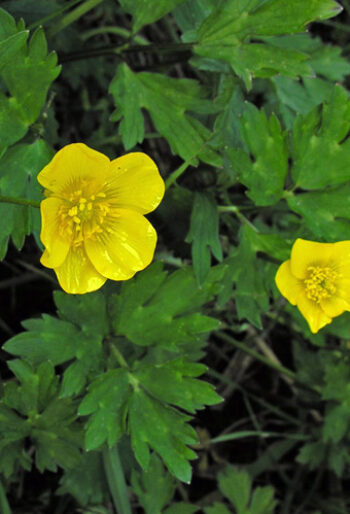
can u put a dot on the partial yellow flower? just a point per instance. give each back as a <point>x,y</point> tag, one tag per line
<point>93,226</point>
<point>317,280</point>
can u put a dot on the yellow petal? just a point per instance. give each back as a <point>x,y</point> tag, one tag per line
<point>341,258</point>
<point>334,306</point>
<point>126,249</point>
<point>45,259</point>
<point>309,253</point>
<point>313,313</point>
<point>56,244</point>
<point>73,163</point>
<point>77,275</point>
<point>289,286</point>
<point>135,183</point>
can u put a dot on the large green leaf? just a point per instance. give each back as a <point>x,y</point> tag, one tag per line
<point>139,403</point>
<point>164,429</point>
<point>225,34</point>
<point>168,101</point>
<point>156,309</point>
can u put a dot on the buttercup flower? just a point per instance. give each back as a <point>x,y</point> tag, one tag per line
<point>317,280</point>
<point>93,226</point>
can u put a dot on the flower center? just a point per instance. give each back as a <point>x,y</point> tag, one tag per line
<point>82,214</point>
<point>320,283</point>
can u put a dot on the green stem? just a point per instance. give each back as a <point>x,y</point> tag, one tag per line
<point>125,48</point>
<point>19,201</point>
<point>245,348</point>
<point>53,15</point>
<point>120,358</point>
<point>177,173</point>
<point>4,504</point>
<point>235,210</point>
<point>73,16</point>
<point>116,481</point>
<point>336,25</point>
<point>256,433</point>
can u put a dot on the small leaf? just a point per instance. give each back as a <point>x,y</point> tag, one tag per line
<point>148,12</point>
<point>235,485</point>
<point>204,234</point>
<point>154,487</point>
<point>319,152</point>
<point>264,169</point>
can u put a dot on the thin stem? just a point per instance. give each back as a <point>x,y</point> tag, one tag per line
<point>125,48</point>
<point>120,358</point>
<point>235,210</point>
<point>116,481</point>
<point>73,16</point>
<point>4,504</point>
<point>336,25</point>
<point>256,433</point>
<point>19,201</point>
<point>267,405</point>
<point>53,15</point>
<point>176,174</point>
<point>245,348</point>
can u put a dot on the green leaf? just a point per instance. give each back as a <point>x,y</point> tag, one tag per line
<point>49,421</point>
<point>11,45</point>
<point>29,75</point>
<point>204,234</point>
<point>106,400</point>
<point>312,454</point>
<point>264,170</point>
<point>172,383</point>
<point>319,154</point>
<point>87,481</point>
<point>225,35</point>
<point>146,12</point>
<point>325,213</point>
<point>336,423</point>
<point>18,170</point>
<point>46,339</point>
<point>168,100</point>
<point>263,501</point>
<point>85,311</point>
<point>235,485</point>
<point>154,487</point>
<point>153,425</point>
<point>244,270</point>
<point>161,310</point>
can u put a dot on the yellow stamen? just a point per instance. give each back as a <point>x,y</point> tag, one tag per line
<point>320,283</point>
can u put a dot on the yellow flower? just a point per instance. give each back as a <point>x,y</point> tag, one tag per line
<point>93,226</point>
<point>317,280</point>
